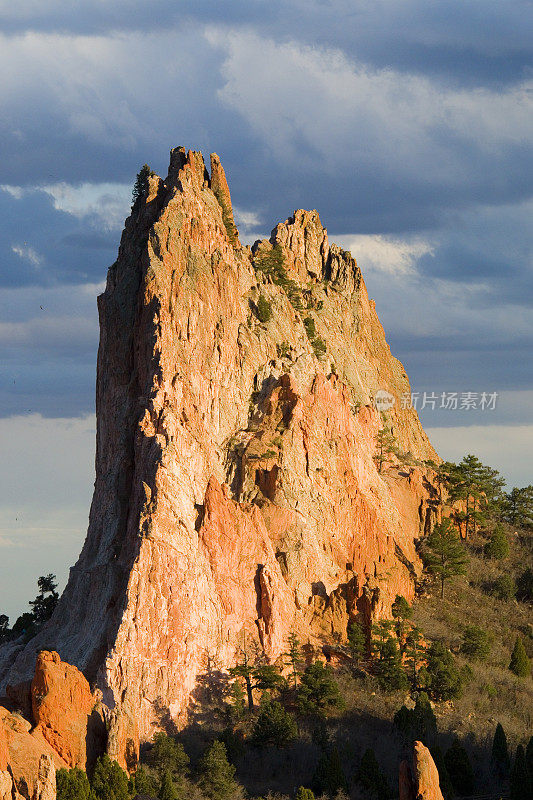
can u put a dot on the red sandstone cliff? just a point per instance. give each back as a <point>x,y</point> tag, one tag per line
<point>235,483</point>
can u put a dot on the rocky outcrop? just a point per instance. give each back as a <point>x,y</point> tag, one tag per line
<point>62,703</point>
<point>420,781</point>
<point>236,491</point>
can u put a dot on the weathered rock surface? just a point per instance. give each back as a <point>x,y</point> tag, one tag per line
<point>62,703</point>
<point>421,780</point>
<point>236,491</point>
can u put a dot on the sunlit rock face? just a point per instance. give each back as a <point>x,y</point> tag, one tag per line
<point>236,488</point>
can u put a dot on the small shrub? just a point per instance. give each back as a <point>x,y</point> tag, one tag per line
<point>503,588</point>
<point>319,347</point>
<point>444,679</point>
<point>310,328</point>
<point>263,309</point>
<point>318,691</point>
<point>524,586</point>
<point>498,544</point>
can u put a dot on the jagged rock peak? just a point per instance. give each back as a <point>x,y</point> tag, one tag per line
<point>236,487</point>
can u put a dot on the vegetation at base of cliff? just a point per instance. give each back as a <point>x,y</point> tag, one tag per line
<point>29,623</point>
<point>452,671</point>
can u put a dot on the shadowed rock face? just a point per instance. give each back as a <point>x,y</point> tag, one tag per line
<point>234,463</point>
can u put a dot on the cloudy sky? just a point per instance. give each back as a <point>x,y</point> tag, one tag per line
<point>408,125</point>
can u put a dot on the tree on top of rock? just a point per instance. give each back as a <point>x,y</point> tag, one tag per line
<point>140,187</point>
<point>44,604</point>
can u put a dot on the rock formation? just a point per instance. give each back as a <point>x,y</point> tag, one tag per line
<point>421,780</point>
<point>236,488</point>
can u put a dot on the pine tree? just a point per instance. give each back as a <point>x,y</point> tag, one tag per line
<point>140,187</point>
<point>529,757</point>
<point>144,782</point>
<point>459,769</point>
<point>109,781</point>
<point>444,679</point>
<point>370,776</point>
<point>418,723</point>
<point>499,759</point>
<point>476,643</point>
<point>498,544</point>
<point>413,649</point>
<point>443,553</point>
<point>520,782</point>
<point>294,658</point>
<point>167,790</point>
<point>329,777</point>
<point>389,668</point>
<point>385,446</point>
<point>401,612</point>
<point>318,691</point>
<point>168,755</point>
<point>519,663</point>
<point>44,604</point>
<point>72,784</point>
<point>274,726</point>
<point>356,642</point>
<point>217,775</point>
<point>518,507</point>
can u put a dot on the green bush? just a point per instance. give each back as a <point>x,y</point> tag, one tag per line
<point>319,347</point>
<point>274,726</point>
<point>167,790</point>
<point>263,309</point>
<point>498,544</point>
<point>329,777</point>
<point>389,667</point>
<point>476,643</point>
<point>444,679</point>
<point>310,328</point>
<point>504,588</point>
<point>168,755</point>
<point>304,794</point>
<point>370,776</point>
<point>217,775</point>
<point>524,586</point>
<point>109,781</point>
<point>318,691</point>
<point>72,784</point>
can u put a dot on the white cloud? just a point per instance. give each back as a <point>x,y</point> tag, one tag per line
<point>386,254</point>
<point>292,94</point>
<point>109,202</point>
<point>27,254</point>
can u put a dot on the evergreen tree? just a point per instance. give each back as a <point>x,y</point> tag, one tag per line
<point>217,775</point>
<point>294,658</point>
<point>498,544</point>
<point>389,668</point>
<point>443,553</point>
<point>44,604</point>
<point>304,794</point>
<point>519,663</point>
<point>445,783</point>
<point>167,790</point>
<point>144,782</point>
<point>518,507</point>
<point>401,612</point>
<point>356,642</point>
<point>329,777</point>
<point>72,784</point>
<point>370,776</point>
<point>476,643</point>
<point>499,759</point>
<point>413,649</point>
<point>4,628</point>
<point>520,782</point>
<point>109,781</point>
<point>318,691</point>
<point>274,726</point>
<point>459,769</point>
<point>444,679</point>
<point>140,187</point>
<point>168,755</point>
<point>385,446</point>
<point>418,723</point>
